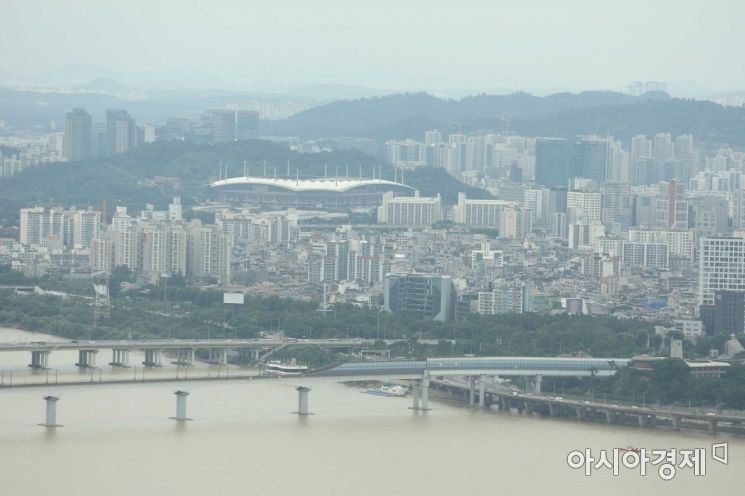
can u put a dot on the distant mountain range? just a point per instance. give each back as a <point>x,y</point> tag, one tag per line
<point>35,105</point>
<point>561,115</point>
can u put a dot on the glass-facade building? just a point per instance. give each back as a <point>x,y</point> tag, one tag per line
<point>559,160</point>
<point>430,295</point>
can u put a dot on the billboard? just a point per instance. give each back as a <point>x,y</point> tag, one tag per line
<point>233,298</point>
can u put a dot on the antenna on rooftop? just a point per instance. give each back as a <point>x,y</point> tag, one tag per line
<point>288,168</point>
<point>264,168</point>
<point>245,164</point>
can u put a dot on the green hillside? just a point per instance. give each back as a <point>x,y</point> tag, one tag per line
<point>127,179</point>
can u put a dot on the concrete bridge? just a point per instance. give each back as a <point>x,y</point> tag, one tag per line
<point>217,349</point>
<point>475,368</point>
<point>587,410</point>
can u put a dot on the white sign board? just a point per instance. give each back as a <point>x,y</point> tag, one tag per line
<point>233,298</point>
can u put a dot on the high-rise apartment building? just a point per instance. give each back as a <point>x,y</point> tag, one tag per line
<point>76,144</point>
<point>86,227</point>
<point>410,211</point>
<point>505,297</point>
<point>583,206</point>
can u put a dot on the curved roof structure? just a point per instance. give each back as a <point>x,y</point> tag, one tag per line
<point>326,184</point>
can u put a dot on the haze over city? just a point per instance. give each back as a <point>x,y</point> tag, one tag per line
<point>455,49</point>
<point>331,248</point>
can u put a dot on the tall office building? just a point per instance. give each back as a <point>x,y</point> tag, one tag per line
<point>726,314</point>
<point>595,154</point>
<point>76,144</point>
<point>557,161</point>
<point>721,266</point>
<point>432,296</point>
<point>246,124</point>
<point>222,122</point>
<point>121,131</point>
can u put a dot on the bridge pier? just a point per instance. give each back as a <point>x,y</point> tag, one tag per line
<point>152,358</point>
<point>87,358</point>
<point>712,426</point>
<point>578,409</point>
<point>51,413</point>
<point>181,406</point>
<point>551,410</point>
<point>40,359</point>
<point>534,384</point>
<point>120,358</point>
<point>472,391</point>
<point>609,416</point>
<point>248,354</point>
<point>217,356</point>
<point>425,391</point>
<point>416,394</point>
<point>676,422</point>
<point>642,420</point>
<point>482,391</point>
<point>184,356</point>
<point>302,400</point>
<point>420,393</point>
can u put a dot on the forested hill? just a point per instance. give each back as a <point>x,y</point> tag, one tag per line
<point>409,115</point>
<point>127,179</point>
<point>561,115</point>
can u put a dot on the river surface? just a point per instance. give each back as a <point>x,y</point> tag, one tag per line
<point>117,440</point>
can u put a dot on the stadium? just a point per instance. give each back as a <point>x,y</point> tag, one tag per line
<point>327,193</point>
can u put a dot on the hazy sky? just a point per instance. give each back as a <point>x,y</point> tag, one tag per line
<point>466,45</point>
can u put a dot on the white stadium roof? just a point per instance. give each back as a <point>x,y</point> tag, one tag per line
<point>333,185</point>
